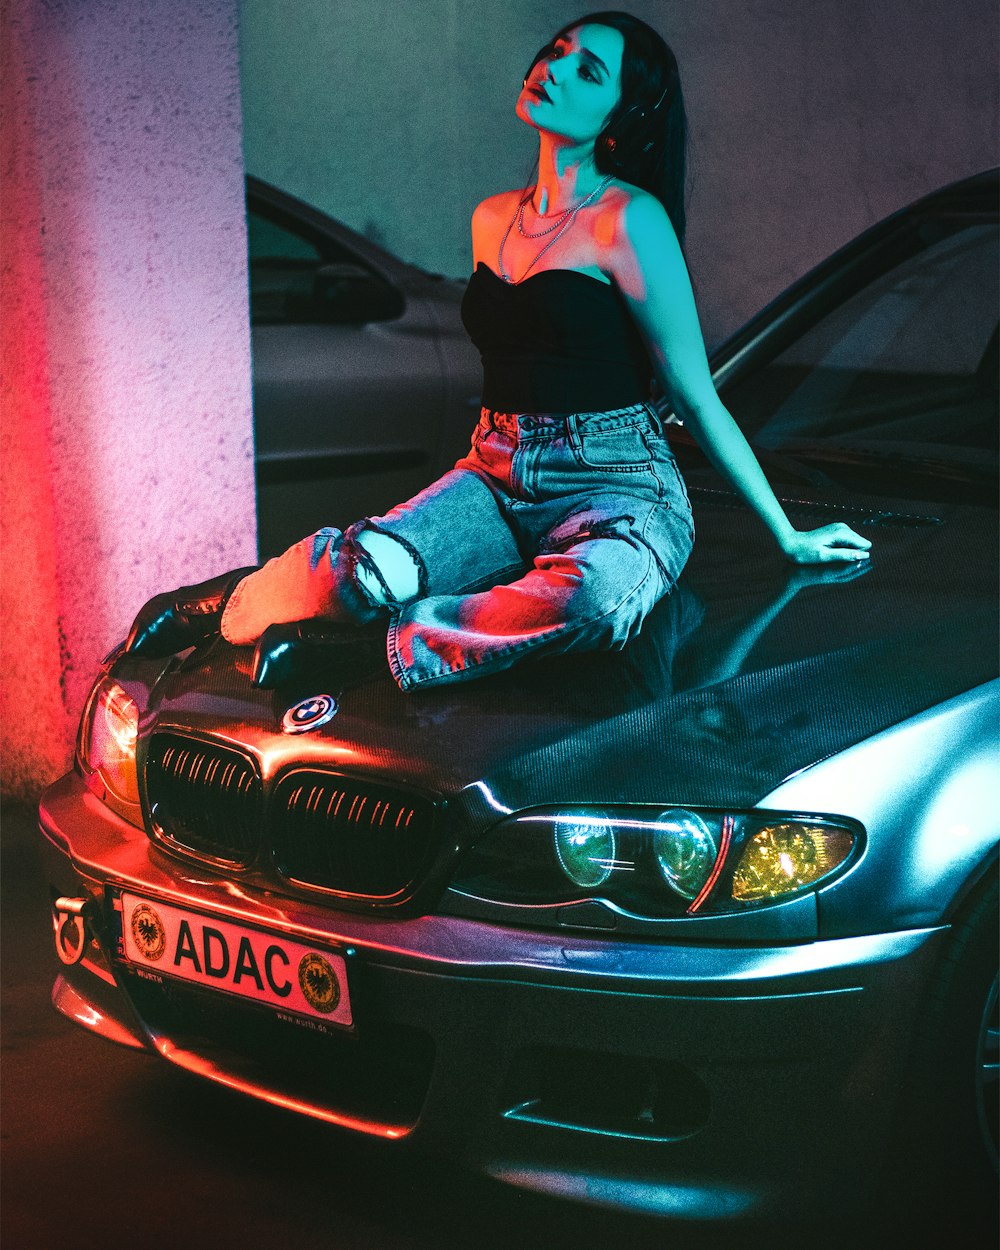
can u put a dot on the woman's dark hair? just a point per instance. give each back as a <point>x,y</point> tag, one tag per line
<point>645,139</point>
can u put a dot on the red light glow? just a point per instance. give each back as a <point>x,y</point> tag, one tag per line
<point>720,859</point>
<point>204,1067</point>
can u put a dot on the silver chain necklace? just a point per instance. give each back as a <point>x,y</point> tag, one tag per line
<point>559,228</point>
<point>537,234</point>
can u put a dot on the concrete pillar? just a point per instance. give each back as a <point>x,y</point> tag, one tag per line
<point>127,437</point>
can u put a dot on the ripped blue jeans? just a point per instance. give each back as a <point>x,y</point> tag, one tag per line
<point>554,533</point>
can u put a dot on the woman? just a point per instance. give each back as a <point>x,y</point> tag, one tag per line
<point>567,520</point>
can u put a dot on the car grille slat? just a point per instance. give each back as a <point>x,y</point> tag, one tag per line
<point>352,836</point>
<point>205,797</point>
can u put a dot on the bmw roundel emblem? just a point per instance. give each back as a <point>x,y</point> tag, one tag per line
<point>310,714</point>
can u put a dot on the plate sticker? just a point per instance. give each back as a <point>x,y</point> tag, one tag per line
<point>206,950</point>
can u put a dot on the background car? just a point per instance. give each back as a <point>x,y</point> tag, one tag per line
<point>705,928</point>
<point>365,385</point>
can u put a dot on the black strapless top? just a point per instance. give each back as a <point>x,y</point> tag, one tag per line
<point>560,341</point>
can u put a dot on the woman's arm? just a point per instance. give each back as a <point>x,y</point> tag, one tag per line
<point>649,268</point>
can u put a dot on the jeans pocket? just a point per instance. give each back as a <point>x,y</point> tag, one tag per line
<point>622,450</point>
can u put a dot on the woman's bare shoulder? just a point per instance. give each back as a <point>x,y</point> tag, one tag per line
<point>630,201</point>
<point>636,216</point>
<point>496,207</point>
<point>490,219</point>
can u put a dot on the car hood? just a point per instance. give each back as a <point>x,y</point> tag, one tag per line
<point>748,672</point>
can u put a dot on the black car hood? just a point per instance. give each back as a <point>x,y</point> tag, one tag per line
<point>750,671</point>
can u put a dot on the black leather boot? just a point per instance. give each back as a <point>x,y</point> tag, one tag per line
<point>305,651</point>
<point>180,618</point>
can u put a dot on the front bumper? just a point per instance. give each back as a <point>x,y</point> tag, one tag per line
<point>704,1082</point>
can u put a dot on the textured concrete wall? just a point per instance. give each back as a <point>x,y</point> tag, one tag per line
<point>127,435</point>
<point>810,119</point>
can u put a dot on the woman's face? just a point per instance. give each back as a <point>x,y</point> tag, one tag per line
<point>571,91</point>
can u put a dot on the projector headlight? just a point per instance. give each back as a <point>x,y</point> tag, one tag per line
<point>585,849</point>
<point>657,862</point>
<point>685,851</point>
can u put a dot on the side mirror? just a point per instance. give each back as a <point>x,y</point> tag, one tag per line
<point>346,294</point>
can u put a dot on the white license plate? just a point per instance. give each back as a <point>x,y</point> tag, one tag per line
<point>263,967</point>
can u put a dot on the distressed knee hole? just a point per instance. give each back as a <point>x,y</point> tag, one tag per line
<point>390,574</point>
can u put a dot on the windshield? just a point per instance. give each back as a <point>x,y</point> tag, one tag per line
<point>899,380</point>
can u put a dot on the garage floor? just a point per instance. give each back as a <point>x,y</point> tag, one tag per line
<point>104,1146</point>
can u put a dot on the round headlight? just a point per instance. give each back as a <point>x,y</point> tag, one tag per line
<point>685,850</point>
<point>585,848</point>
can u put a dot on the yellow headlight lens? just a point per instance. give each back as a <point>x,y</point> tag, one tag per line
<point>782,858</point>
<point>110,738</point>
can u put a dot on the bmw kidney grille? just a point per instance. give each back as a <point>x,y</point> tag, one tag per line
<point>349,835</point>
<point>317,828</point>
<point>204,797</point>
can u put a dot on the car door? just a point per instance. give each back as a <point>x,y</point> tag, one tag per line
<point>347,381</point>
